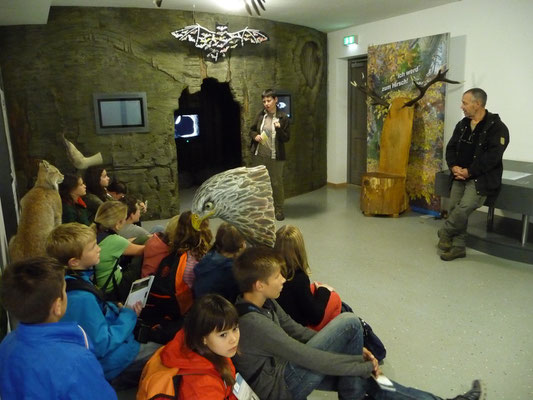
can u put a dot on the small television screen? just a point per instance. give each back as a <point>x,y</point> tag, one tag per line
<point>284,104</point>
<point>120,112</point>
<point>186,126</point>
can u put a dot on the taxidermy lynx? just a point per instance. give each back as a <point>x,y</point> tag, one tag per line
<point>40,213</point>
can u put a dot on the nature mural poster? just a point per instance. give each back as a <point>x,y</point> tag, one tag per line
<point>392,68</point>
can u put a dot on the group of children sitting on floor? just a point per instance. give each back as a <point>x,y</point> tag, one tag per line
<point>76,340</point>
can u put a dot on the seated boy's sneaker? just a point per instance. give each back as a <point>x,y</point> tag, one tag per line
<point>477,392</point>
<point>453,253</point>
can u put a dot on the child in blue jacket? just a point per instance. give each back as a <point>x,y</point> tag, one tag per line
<point>43,358</point>
<point>213,274</point>
<point>110,326</point>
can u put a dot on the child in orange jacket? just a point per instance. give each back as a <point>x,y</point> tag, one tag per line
<point>199,353</point>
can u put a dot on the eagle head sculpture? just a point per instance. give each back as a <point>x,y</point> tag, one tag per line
<point>242,197</point>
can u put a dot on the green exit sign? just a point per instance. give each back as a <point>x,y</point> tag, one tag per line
<point>348,40</point>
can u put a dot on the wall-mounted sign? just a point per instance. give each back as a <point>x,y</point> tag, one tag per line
<point>348,40</point>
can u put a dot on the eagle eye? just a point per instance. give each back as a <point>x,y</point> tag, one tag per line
<point>208,206</point>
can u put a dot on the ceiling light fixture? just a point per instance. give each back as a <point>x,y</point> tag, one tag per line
<point>254,4</point>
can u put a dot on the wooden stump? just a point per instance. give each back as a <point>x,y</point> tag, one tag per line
<point>383,194</point>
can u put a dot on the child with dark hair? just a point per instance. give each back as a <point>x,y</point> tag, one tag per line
<point>71,190</point>
<point>281,359</point>
<point>97,181</point>
<point>202,352</point>
<point>213,274</point>
<point>194,242</point>
<point>130,229</point>
<point>117,189</point>
<point>44,358</point>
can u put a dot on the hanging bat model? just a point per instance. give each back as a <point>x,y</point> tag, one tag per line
<point>218,42</point>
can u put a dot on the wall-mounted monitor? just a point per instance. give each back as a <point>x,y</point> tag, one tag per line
<point>120,112</point>
<point>186,124</point>
<point>284,104</point>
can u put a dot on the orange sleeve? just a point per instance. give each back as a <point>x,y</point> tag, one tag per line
<point>203,387</point>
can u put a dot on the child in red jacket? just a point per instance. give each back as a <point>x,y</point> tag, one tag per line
<point>201,352</point>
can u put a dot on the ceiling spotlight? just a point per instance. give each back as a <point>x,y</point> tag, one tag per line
<point>158,3</point>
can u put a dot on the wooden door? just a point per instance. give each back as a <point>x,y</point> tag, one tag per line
<point>357,132</point>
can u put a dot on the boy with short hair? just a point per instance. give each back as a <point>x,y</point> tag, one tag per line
<point>109,326</point>
<point>130,229</point>
<point>44,358</point>
<point>281,359</point>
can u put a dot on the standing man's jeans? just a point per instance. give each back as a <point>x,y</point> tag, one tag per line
<point>464,199</point>
<point>343,335</point>
<point>275,170</point>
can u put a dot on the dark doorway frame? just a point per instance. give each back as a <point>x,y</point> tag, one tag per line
<point>357,116</point>
<point>218,146</point>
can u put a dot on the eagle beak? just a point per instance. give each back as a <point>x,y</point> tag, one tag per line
<point>196,220</point>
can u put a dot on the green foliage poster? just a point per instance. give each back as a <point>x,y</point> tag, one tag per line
<point>392,69</point>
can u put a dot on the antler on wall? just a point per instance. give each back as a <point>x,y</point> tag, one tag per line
<point>440,77</point>
<point>371,93</point>
<point>254,4</point>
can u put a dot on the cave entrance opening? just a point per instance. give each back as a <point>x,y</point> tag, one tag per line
<point>207,131</point>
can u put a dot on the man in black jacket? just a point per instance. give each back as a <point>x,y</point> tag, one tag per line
<point>474,156</point>
<point>269,133</point>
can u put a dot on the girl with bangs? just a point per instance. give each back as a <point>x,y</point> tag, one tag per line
<point>96,181</point>
<point>71,190</point>
<point>202,352</point>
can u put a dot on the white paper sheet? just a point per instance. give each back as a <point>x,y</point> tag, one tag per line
<point>139,291</point>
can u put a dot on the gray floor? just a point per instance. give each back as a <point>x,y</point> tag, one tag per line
<point>443,323</point>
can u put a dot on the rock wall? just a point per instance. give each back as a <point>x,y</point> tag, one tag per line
<point>51,72</point>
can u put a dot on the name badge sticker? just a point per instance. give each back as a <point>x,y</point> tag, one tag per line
<point>242,390</point>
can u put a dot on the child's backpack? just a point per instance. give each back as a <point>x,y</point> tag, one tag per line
<point>113,294</point>
<point>79,284</point>
<point>169,299</point>
<point>158,381</point>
